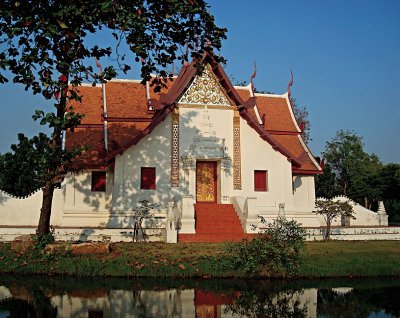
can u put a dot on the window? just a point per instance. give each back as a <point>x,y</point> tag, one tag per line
<point>260,180</point>
<point>148,178</point>
<point>99,181</point>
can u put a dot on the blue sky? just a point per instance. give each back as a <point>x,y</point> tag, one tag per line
<point>345,56</point>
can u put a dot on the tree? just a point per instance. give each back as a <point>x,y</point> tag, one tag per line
<point>355,170</point>
<point>142,213</point>
<point>330,210</point>
<point>21,170</point>
<point>301,115</point>
<point>44,46</point>
<point>325,184</point>
<point>390,187</point>
<point>366,186</point>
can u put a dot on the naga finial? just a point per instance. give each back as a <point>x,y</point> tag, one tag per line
<point>252,77</point>
<point>290,83</point>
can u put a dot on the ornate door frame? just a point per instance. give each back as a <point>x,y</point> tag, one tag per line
<point>206,181</point>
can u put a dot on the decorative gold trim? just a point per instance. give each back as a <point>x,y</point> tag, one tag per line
<point>206,89</point>
<point>175,148</point>
<point>237,175</point>
<point>222,107</point>
<point>202,106</point>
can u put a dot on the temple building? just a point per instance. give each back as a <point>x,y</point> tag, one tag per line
<point>214,157</point>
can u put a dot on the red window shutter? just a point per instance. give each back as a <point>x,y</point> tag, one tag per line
<point>260,180</point>
<point>148,178</point>
<point>99,181</point>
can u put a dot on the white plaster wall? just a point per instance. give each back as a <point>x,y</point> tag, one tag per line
<point>26,211</point>
<point>191,120</point>
<point>257,154</point>
<point>154,150</point>
<point>80,197</point>
<point>83,206</point>
<point>303,193</point>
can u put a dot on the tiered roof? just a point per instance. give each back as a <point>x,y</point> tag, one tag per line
<point>134,110</point>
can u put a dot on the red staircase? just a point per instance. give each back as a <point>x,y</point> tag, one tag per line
<point>215,223</point>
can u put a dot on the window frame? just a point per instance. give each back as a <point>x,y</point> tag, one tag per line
<point>148,184</point>
<point>98,176</point>
<point>261,174</point>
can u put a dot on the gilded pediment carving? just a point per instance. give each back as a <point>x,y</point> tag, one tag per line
<point>205,90</point>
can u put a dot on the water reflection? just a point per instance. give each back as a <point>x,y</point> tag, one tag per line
<point>99,297</point>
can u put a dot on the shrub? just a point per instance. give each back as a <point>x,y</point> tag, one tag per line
<point>42,241</point>
<point>276,250</point>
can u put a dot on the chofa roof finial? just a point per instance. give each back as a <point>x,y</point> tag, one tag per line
<point>290,83</point>
<point>253,76</point>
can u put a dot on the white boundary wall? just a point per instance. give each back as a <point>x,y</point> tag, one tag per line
<point>25,211</point>
<point>363,216</point>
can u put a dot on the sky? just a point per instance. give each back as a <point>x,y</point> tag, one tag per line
<point>345,56</point>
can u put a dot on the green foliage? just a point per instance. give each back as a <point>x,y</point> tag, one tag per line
<point>390,187</point>
<point>26,167</point>
<point>275,251</point>
<point>330,210</point>
<point>326,184</point>
<point>356,172</point>
<point>360,176</point>
<point>319,259</point>
<point>42,240</point>
<point>44,43</point>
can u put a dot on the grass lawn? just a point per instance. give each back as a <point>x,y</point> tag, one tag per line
<point>320,259</point>
<point>351,259</point>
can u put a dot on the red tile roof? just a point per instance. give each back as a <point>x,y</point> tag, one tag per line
<point>129,118</point>
<point>126,100</point>
<point>91,104</point>
<point>293,143</point>
<point>276,112</point>
<point>92,137</point>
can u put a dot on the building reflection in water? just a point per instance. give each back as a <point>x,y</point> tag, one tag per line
<point>64,298</point>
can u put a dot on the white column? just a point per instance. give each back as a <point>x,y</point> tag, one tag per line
<point>226,181</point>
<point>251,210</point>
<point>187,220</point>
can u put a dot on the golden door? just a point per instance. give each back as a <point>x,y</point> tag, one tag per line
<point>206,181</point>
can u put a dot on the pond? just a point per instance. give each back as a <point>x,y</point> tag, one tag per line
<point>36,296</point>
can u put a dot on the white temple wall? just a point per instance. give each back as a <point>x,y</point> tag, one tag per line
<point>84,207</point>
<point>191,120</point>
<point>303,192</point>
<point>80,197</point>
<point>257,154</point>
<point>154,150</point>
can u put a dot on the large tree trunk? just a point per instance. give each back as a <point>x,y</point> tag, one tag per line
<point>45,211</point>
<point>56,143</point>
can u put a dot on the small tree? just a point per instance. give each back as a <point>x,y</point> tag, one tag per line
<point>330,209</point>
<point>142,214</point>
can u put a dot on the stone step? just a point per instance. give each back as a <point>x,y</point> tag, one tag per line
<point>212,238</point>
<point>215,223</point>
